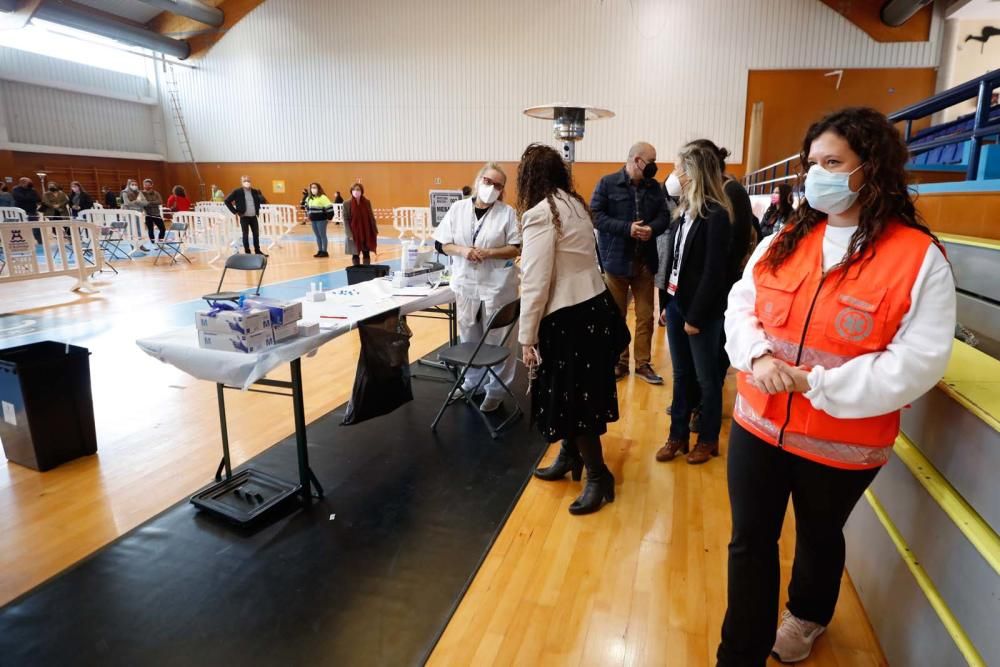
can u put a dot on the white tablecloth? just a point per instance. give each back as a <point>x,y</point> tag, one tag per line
<point>179,347</point>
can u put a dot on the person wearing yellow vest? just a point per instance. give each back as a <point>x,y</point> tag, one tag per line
<point>319,208</point>
<point>840,320</point>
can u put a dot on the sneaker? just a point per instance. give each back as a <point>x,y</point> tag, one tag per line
<point>491,403</point>
<point>621,371</point>
<point>795,638</point>
<point>647,373</point>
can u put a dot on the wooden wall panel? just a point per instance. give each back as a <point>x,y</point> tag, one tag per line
<point>866,15</point>
<point>968,214</point>
<point>793,99</point>
<point>92,172</point>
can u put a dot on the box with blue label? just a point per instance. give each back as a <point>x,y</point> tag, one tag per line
<point>282,312</point>
<point>235,342</point>
<point>243,321</point>
<point>285,331</point>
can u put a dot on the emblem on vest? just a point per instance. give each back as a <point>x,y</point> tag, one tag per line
<point>853,325</point>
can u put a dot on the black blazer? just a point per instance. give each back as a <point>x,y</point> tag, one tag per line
<point>237,203</point>
<point>703,285</point>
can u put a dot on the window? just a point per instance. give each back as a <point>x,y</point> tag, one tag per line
<point>56,41</point>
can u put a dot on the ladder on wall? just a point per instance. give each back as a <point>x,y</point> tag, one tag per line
<point>174,102</point>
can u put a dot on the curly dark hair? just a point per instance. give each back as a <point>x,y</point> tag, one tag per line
<point>542,172</point>
<point>884,197</point>
<point>784,206</point>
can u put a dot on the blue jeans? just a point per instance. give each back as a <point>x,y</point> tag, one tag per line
<point>695,360</point>
<point>319,229</point>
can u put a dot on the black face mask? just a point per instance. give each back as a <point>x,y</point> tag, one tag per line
<point>649,171</point>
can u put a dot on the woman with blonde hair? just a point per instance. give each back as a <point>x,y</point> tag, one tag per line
<point>697,264</point>
<point>481,236</point>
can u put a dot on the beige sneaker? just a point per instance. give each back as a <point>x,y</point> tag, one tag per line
<point>795,638</point>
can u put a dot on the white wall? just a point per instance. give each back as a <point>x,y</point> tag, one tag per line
<point>331,80</point>
<point>962,61</point>
<point>53,105</point>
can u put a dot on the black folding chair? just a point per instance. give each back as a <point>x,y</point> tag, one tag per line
<point>464,356</point>
<point>112,238</point>
<point>238,263</point>
<point>172,246</point>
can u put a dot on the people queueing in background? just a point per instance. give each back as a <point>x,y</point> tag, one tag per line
<point>466,192</point>
<point>696,266</point>
<point>6,198</point>
<point>779,212</point>
<point>55,203</point>
<point>178,201</point>
<point>839,321</point>
<point>571,329</point>
<point>26,198</point>
<point>629,213</point>
<point>246,202</point>
<point>79,199</point>
<point>217,194</point>
<point>319,208</point>
<point>481,236</point>
<point>130,196</point>
<point>337,198</point>
<point>360,227</point>
<point>110,198</point>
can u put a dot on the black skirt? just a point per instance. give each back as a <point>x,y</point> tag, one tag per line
<point>575,391</point>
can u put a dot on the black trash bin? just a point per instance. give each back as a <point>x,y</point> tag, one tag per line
<point>48,409</point>
<point>363,272</point>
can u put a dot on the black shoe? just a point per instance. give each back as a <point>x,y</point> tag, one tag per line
<point>568,461</point>
<point>600,487</point>
<point>324,254</point>
<point>258,251</point>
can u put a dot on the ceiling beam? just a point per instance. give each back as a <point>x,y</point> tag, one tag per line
<point>192,9</point>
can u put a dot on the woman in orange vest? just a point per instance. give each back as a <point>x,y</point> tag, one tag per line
<point>839,321</point>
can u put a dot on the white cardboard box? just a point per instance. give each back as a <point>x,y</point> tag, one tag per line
<point>234,342</point>
<point>282,312</point>
<point>285,331</point>
<point>242,322</point>
<point>308,328</point>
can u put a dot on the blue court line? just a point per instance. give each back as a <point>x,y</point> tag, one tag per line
<point>17,329</point>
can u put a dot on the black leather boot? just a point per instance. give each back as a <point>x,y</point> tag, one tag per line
<point>568,461</point>
<point>600,485</point>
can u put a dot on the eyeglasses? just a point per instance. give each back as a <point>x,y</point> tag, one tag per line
<point>490,181</point>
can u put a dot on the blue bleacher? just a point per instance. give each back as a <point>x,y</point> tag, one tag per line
<point>952,155</point>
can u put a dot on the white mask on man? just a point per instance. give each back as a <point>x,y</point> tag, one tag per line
<point>246,184</point>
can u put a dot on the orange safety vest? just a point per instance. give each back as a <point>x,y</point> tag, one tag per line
<point>812,319</point>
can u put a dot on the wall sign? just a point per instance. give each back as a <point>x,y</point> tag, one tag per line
<point>441,201</point>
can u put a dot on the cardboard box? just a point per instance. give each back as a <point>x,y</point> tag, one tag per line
<point>282,312</point>
<point>285,331</point>
<point>246,321</point>
<point>308,327</point>
<point>234,342</point>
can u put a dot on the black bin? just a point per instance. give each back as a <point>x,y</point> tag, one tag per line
<point>48,409</point>
<point>364,272</point>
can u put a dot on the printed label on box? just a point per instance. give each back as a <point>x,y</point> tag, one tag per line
<point>242,322</point>
<point>9,415</point>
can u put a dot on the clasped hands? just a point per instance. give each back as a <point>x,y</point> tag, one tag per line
<point>773,376</point>
<point>640,231</point>
<point>476,254</point>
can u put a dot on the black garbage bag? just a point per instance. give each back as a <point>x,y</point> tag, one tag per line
<point>382,381</point>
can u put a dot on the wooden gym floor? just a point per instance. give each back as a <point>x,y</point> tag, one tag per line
<point>642,582</point>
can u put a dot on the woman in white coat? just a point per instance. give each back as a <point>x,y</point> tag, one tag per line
<point>481,236</point>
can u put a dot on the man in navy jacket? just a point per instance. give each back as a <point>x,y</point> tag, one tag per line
<point>630,211</point>
<point>246,203</point>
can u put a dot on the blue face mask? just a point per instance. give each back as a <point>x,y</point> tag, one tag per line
<point>830,192</point>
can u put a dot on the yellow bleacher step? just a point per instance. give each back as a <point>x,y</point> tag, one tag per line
<point>973,380</point>
<point>989,244</point>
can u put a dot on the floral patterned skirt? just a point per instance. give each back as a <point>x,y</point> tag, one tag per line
<point>575,391</point>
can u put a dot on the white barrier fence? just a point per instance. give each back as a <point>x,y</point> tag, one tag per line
<point>134,233</point>
<point>208,230</point>
<point>277,221</point>
<point>68,248</point>
<point>413,220</point>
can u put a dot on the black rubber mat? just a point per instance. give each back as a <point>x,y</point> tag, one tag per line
<point>370,575</point>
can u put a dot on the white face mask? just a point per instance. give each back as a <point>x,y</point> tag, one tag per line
<point>133,187</point>
<point>487,194</point>
<point>830,192</point>
<point>246,184</point>
<point>674,188</point>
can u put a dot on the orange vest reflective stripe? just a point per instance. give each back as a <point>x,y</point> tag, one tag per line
<point>816,320</point>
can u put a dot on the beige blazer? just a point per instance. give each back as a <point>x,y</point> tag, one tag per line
<point>559,266</point>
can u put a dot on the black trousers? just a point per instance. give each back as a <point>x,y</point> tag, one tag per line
<point>157,222</point>
<point>248,223</point>
<point>762,477</point>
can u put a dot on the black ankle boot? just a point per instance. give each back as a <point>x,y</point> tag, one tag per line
<point>600,487</point>
<point>568,461</point>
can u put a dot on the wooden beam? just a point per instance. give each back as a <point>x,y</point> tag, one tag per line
<point>201,40</point>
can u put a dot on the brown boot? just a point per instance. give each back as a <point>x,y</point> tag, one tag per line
<point>669,451</point>
<point>703,452</point>
<point>621,371</point>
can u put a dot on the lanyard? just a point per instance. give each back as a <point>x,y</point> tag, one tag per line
<point>479,227</point>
